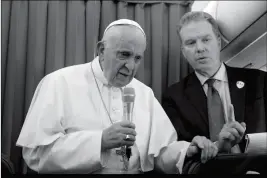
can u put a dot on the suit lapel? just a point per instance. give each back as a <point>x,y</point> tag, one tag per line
<point>237,94</point>
<point>196,95</point>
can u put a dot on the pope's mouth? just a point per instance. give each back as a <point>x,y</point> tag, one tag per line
<point>124,75</point>
<point>201,58</point>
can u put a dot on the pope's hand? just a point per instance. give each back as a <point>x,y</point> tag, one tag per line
<point>115,135</point>
<point>201,144</point>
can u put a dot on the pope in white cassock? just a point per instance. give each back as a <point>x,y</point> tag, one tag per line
<point>75,121</point>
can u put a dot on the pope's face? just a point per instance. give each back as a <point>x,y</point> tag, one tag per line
<point>122,55</point>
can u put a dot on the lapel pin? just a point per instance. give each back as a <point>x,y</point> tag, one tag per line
<point>240,84</point>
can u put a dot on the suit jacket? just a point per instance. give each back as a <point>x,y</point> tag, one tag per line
<point>185,103</point>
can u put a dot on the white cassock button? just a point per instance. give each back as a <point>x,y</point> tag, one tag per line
<point>115,89</point>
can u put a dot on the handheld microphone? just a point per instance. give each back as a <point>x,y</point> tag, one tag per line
<point>128,104</point>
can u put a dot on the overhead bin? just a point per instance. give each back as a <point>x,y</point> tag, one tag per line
<point>233,17</point>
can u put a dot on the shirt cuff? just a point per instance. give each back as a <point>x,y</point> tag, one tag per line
<point>256,143</point>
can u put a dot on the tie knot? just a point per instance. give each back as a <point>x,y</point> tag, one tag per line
<point>210,82</point>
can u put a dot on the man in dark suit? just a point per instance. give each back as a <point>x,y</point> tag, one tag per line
<point>219,102</point>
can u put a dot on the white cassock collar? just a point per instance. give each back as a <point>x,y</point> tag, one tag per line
<point>99,74</point>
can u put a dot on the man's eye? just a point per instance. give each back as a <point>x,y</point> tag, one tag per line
<point>137,58</point>
<point>206,40</point>
<point>125,54</point>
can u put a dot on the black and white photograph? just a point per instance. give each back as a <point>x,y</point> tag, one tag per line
<point>133,87</point>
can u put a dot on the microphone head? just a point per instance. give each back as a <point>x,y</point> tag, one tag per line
<point>128,95</point>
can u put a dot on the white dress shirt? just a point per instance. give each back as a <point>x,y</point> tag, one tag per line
<point>63,128</point>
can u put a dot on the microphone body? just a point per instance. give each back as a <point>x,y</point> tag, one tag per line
<point>128,105</point>
<point>128,111</point>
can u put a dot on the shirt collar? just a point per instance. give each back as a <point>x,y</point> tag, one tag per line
<point>221,75</point>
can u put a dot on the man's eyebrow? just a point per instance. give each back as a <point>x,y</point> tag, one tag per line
<point>203,36</point>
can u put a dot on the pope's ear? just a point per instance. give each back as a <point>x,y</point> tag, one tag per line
<point>100,47</point>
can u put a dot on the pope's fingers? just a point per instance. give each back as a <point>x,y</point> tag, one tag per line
<point>128,131</point>
<point>214,150</point>
<point>198,141</point>
<point>210,150</point>
<point>128,124</point>
<point>205,152</point>
<point>192,150</point>
<point>203,156</point>
<point>129,137</point>
<point>127,143</point>
<point>126,140</point>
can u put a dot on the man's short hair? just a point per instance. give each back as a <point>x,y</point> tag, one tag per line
<point>195,16</point>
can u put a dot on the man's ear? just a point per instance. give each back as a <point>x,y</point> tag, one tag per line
<point>100,48</point>
<point>182,49</point>
<point>220,43</point>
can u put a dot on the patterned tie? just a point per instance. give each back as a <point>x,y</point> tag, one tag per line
<point>215,111</point>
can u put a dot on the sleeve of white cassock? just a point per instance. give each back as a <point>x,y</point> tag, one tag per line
<point>46,146</point>
<point>171,158</point>
<point>169,154</point>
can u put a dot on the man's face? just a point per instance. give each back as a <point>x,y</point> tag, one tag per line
<point>122,55</point>
<point>201,47</point>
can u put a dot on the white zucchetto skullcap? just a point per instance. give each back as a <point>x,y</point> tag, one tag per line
<point>124,22</point>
